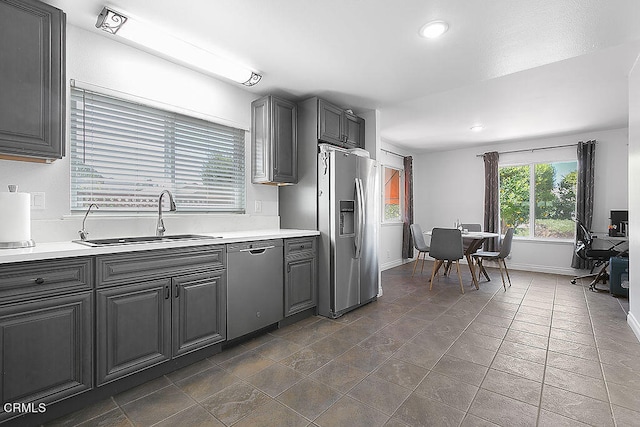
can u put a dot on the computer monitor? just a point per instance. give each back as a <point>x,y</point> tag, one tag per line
<point>620,219</point>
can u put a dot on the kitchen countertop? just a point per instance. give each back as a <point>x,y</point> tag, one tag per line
<point>69,249</point>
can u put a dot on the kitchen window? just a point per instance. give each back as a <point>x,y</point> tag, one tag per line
<point>392,194</point>
<point>123,154</point>
<point>539,199</point>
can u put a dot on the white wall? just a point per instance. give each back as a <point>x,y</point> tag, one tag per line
<point>449,185</point>
<point>634,198</point>
<point>104,62</point>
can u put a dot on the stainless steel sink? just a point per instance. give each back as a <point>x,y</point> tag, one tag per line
<point>143,239</point>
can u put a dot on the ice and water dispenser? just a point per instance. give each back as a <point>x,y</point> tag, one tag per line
<point>347,221</point>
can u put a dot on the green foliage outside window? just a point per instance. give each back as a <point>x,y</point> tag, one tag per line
<point>554,199</point>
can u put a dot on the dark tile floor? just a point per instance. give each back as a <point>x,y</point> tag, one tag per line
<point>543,353</point>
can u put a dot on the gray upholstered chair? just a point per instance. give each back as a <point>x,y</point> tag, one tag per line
<point>472,227</point>
<point>446,245</point>
<point>420,245</point>
<point>505,250</point>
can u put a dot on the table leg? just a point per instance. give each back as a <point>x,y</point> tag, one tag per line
<point>474,245</point>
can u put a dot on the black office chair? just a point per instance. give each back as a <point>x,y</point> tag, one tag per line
<point>599,257</point>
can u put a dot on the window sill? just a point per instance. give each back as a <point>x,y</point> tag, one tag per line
<point>391,224</point>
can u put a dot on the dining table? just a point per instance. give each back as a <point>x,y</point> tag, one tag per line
<point>472,241</point>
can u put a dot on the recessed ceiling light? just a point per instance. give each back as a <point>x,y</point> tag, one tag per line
<point>434,29</point>
<point>477,128</point>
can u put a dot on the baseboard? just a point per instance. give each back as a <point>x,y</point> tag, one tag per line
<point>394,263</point>
<point>565,271</point>
<point>633,323</point>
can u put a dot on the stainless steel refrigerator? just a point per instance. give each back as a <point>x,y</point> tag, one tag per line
<point>348,196</point>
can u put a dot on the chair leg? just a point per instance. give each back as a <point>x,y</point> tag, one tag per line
<point>459,276</point>
<point>506,271</point>
<point>424,256</point>
<point>415,264</point>
<point>436,267</point>
<point>486,275</point>
<point>502,274</point>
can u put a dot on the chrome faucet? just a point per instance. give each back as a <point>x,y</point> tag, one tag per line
<point>160,229</point>
<point>83,233</point>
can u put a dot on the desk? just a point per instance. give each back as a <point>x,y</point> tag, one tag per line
<point>474,240</point>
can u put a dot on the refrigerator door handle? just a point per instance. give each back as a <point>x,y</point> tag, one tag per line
<point>359,240</point>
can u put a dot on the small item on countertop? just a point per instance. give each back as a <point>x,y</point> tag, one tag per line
<point>15,219</point>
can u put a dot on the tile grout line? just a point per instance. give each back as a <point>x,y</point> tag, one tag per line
<point>604,378</point>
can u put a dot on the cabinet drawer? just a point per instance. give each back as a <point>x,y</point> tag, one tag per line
<point>134,266</point>
<point>298,245</point>
<point>42,278</point>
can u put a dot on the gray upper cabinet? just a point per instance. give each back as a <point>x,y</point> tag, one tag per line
<point>274,141</point>
<point>32,76</point>
<point>339,127</point>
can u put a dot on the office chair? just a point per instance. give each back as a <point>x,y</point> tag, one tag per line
<point>599,257</point>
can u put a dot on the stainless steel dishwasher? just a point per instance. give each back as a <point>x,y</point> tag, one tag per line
<point>255,286</point>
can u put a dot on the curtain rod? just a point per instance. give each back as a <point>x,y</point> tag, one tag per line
<point>532,149</point>
<point>391,152</point>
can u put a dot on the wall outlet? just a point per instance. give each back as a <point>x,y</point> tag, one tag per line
<point>258,206</point>
<point>37,201</point>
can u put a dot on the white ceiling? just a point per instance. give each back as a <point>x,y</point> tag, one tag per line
<point>522,68</point>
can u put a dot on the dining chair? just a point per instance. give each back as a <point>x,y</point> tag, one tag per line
<point>446,245</point>
<point>420,245</point>
<point>472,227</point>
<point>505,250</point>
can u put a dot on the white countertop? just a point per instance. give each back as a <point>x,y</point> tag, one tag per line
<point>71,249</point>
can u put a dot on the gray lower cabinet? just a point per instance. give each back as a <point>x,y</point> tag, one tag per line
<point>300,275</point>
<point>46,331</point>
<point>133,328</point>
<point>32,79</point>
<point>199,311</point>
<point>156,305</point>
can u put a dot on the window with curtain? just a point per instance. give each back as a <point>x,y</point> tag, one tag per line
<point>123,154</point>
<point>392,194</point>
<point>539,199</point>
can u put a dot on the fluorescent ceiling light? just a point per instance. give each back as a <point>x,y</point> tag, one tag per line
<point>434,29</point>
<point>158,41</point>
<point>477,128</point>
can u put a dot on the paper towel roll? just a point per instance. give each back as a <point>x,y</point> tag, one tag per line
<point>15,217</point>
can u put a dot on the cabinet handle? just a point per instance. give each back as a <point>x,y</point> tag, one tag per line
<point>39,281</point>
<point>166,292</point>
<point>177,291</point>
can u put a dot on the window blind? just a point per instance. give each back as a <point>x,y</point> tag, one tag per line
<point>123,154</point>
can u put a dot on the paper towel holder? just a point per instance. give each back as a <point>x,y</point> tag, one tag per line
<point>22,243</point>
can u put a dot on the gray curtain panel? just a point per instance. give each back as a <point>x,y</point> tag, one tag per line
<point>407,240</point>
<point>584,193</point>
<point>491,198</point>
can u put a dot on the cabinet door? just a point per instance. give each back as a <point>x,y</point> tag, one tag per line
<point>260,141</point>
<point>330,123</point>
<point>47,349</point>
<point>32,105</point>
<point>354,131</point>
<point>285,141</point>
<point>300,285</point>
<point>133,328</point>
<point>199,311</point>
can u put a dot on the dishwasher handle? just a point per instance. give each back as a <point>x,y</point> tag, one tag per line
<point>257,251</point>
